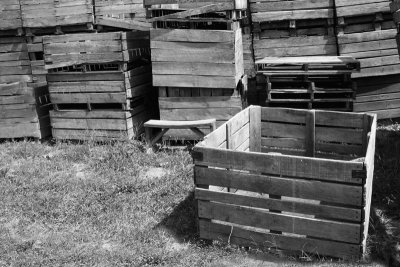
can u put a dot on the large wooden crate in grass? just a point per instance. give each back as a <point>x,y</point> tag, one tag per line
<point>57,14</point>
<point>289,179</point>
<point>367,32</point>
<point>10,17</point>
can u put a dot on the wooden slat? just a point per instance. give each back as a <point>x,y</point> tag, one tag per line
<point>321,169</point>
<point>336,231</point>
<point>323,191</point>
<point>240,236</point>
<point>258,201</point>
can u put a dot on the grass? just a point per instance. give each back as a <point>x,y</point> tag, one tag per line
<point>86,204</point>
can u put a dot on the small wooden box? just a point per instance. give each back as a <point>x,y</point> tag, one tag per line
<point>289,179</point>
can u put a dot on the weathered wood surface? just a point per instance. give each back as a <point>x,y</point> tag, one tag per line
<point>101,48</point>
<point>196,58</point>
<point>10,15</point>
<point>361,7</point>
<point>324,201</point>
<point>50,13</point>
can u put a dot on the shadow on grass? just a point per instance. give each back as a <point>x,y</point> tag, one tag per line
<point>181,222</point>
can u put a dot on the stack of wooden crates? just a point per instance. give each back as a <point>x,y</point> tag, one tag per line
<point>99,84</point>
<point>367,32</point>
<point>24,101</point>
<point>298,28</point>
<point>197,61</point>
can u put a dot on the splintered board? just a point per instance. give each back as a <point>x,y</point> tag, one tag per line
<point>376,50</point>
<point>269,10</point>
<point>24,111</point>
<point>188,108</point>
<point>115,88</point>
<point>196,58</point>
<point>14,60</point>
<point>380,95</point>
<point>112,47</point>
<point>51,13</point>
<point>10,15</point>
<point>125,14</point>
<point>97,124</point>
<point>311,195</point>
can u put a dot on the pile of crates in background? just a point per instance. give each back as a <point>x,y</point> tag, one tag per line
<point>367,32</point>
<point>99,84</point>
<point>197,60</point>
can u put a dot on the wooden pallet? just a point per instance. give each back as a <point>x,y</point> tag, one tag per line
<point>380,95</point>
<point>24,111</point>
<point>125,14</point>
<point>267,10</point>
<point>113,47</point>
<point>10,17</point>
<point>56,14</point>
<point>196,58</point>
<point>310,195</point>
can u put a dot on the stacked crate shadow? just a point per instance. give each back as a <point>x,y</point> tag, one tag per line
<point>99,84</point>
<point>197,59</point>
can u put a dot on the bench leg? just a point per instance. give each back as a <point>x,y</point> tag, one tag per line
<point>148,134</point>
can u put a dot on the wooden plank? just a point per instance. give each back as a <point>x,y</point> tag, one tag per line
<point>255,129</point>
<point>194,81</point>
<point>258,201</point>
<point>310,133</point>
<point>321,169</point>
<point>283,186</point>
<point>243,237</point>
<point>197,114</point>
<point>186,35</point>
<point>331,230</point>
<point>290,15</point>
<point>272,129</point>
<point>199,102</point>
<point>71,98</point>
<point>193,68</point>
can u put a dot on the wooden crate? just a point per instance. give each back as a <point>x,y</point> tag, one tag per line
<point>196,58</point>
<point>111,47</point>
<point>14,60</point>
<point>96,124</point>
<point>36,58</point>
<point>57,14</point>
<point>86,102</point>
<point>125,14</point>
<point>10,17</point>
<point>367,32</point>
<point>270,10</point>
<point>24,111</point>
<point>197,104</point>
<point>288,179</point>
<point>380,95</point>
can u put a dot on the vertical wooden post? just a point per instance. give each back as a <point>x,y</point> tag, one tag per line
<point>310,133</point>
<point>255,129</point>
<point>229,141</point>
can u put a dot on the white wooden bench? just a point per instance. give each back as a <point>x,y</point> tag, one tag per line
<point>166,125</point>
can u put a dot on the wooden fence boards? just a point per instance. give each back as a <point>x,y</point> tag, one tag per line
<point>334,205</point>
<point>10,15</point>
